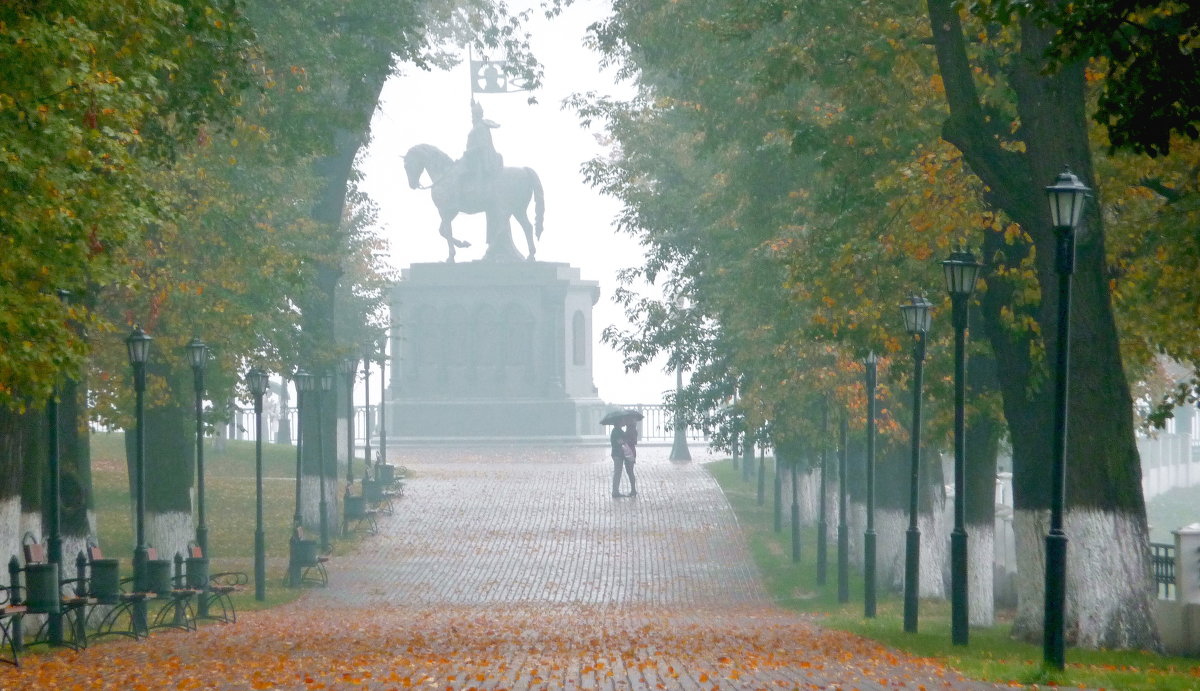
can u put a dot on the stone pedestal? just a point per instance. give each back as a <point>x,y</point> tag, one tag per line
<point>492,349</point>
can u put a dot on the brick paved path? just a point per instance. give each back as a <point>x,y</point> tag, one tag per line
<point>508,571</point>
<point>483,527</point>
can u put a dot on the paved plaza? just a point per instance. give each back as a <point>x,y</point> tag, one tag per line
<point>514,568</point>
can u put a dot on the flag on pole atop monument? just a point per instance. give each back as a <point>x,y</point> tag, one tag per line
<point>491,77</point>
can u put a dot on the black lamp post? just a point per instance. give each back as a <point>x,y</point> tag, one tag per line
<point>138,346</point>
<point>382,400</point>
<point>1066,197</point>
<point>916,322</point>
<point>843,542</point>
<point>325,381</point>
<point>349,369</point>
<point>304,383</point>
<point>197,353</point>
<point>258,381</point>
<point>869,535</point>
<point>367,409</point>
<point>962,272</point>
<point>822,525</point>
<point>54,542</point>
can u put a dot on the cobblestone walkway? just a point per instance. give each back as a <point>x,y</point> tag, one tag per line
<point>501,570</point>
<point>484,527</point>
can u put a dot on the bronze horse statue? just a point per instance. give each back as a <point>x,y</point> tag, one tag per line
<point>504,195</point>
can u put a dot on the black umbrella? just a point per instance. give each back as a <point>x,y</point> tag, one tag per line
<point>620,417</point>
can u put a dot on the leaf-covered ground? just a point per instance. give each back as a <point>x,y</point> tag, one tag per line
<point>502,571</point>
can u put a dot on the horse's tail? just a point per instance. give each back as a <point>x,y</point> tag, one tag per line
<point>539,202</point>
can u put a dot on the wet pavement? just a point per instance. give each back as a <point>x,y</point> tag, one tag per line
<point>514,568</point>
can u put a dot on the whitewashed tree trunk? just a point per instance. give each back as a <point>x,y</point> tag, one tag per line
<point>1110,589</point>
<point>1108,568</point>
<point>935,552</point>
<point>169,532</point>
<point>981,569</point>
<point>858,526</point>
<point>1030,528</point>
<point>310,507</point>
<point>10,531</point>
<point>810,485</point>
<point>30,523</point>
<point>890,526</point>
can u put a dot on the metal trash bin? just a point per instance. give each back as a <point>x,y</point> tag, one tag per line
<point>42,589</point>
<point>197,572</point>
<point>158,575</point>
<point>105,582</point>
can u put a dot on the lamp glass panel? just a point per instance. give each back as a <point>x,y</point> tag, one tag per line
<point>197,353</point>
<point>138,345</point>
<point>257,380</point>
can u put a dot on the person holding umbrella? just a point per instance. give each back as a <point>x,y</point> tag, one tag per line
<point>623,448</point>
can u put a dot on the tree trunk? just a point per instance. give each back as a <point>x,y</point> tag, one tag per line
<point>1103,474</point>
<point>15,474</point>
<point>983,444</point>
<point>170,463</point>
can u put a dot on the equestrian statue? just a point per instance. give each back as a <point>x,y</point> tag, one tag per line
<point>479,182</point>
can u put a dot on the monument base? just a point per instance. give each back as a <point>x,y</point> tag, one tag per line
<point>492,350</point>
<point>495,418</point>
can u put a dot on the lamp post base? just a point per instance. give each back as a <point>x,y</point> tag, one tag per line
<point>869,574</point>
<point>1054,647</point>
<point>912,575</point>
<point>959,626</point>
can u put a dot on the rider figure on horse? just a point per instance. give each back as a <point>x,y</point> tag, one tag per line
<point>480,161</point>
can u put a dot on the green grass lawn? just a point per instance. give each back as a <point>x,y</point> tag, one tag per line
<point>992,654</point>
<point>229,509</point>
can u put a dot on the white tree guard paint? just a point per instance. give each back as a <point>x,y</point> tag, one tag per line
<point>29,523</point>
<point>1030,528</point>
<point>169,532</point>
<point>1109,584</point>
<point>858,525</point>
<point>890,527</point>
<point>807,493</point>
<point>935,551</point>
<point>310,504</point>
<point>10,532</point>
<point>981,574</point>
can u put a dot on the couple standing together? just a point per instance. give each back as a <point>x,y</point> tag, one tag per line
<point>624,454</point>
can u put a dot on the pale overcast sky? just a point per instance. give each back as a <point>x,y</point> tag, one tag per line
<point>434,108</point>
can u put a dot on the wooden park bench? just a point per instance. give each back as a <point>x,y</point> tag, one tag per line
<point>46,592</point>
<point>10,623</point>
<point>216,589</point>
<point>356,515</point>
<point>306,564</point>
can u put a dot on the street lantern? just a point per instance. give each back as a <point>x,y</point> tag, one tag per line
<point>349,367</point>
<point>916,323</point>
<point>1066,197</point>
<point>258,380</point>
<point>197,355</point>
<point>962,272</point>
<point>916,315</point>
<point>138,346</point>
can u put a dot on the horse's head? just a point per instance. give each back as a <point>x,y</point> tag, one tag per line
<point>425,157</point>
<point>414,165</point>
